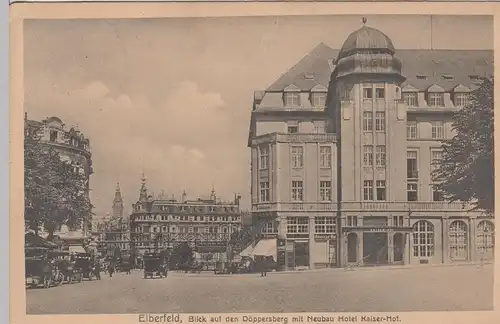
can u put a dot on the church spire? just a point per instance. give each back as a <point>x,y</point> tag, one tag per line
<point>143,193</point>
<point>118,202</point>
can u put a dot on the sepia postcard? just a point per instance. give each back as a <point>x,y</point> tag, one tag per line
<point>260,163</point>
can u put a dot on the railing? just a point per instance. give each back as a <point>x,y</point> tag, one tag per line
<point>361,206</point>
<point>412,174</point>
<point>295,138</point>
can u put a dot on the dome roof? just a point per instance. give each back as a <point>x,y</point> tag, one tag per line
<point>366,38</point>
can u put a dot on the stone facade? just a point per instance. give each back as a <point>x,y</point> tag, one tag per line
<point>72,147</point>
<point>342,149</point>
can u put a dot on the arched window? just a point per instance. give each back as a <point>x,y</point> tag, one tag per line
<point>423,239</point>
<point>485,239</point>
<point>458,240</point>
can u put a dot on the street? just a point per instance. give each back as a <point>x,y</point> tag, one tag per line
<point>450,288</point>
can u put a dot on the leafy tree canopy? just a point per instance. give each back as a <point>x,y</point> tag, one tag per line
<point>466,172</point>
<point>55,194</point>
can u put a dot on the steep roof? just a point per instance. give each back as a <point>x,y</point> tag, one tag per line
<point>422,68</point>
<point>316,63</point>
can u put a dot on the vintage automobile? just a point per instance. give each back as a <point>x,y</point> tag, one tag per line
<point>84,265</point>
<point>41,271</point>
<point>154,266</point>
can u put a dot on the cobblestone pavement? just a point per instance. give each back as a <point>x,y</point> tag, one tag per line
<point>452,288</point>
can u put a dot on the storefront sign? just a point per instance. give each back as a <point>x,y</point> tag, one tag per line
<point>324,236</point>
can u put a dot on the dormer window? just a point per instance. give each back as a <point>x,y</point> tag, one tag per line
<point>53,135</point>
<point>460,99</point>
<point>421,77</point>
<point>318,99</point>
<point>411,98</point>
<point>435,99</point>
<point>293,129</point>
<point>292,99</point>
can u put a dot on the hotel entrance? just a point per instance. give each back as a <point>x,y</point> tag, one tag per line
<point>375,245</point>
<point>375,249</point>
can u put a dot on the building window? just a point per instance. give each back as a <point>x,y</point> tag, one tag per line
<point>380,93</point>
<point>437,130</point>
<point>269,227</point>
<point>435,99</point>
<point>293,129</point>
<point>436,159</point>
<point>264,157</point>
<point>297,191</point>
<point>411,98</point>
<point>324,225</point>
<point>297,225</point>
<point>53,136</point>
<point>368,190</point>
<point>264,191</point>
<point>461,99</point>
<point>368,93</point>
<point>485,239</point>
<point>398,221</point>
<point>411,130</point>
<point>368,155</point>
<point>292,99</point>
<point>367,121</point>
<point>325,190</point>
<point>412,191</point>
<point>318,99</point>
<point>458,240</point>
<point>437,195</point>
<point>319,127</point>
<point>380,121</point>
<point>352,221</point>
<point>325,157</point>
<point>297,157</point>
<point>380,156</point>
<point>411,165</point>
<point>381,190</point>
<point>423,239</point>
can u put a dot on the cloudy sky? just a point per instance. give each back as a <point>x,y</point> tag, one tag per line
<point>173,96</point>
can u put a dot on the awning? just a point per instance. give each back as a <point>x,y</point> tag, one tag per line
<point>32,240</point>
<point>266,247</point>
<point>76,249</point>
<point>247,251</point>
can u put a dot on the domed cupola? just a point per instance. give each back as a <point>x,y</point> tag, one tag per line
<point>368,51</point>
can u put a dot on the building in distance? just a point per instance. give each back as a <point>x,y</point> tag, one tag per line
<point>159,223</point>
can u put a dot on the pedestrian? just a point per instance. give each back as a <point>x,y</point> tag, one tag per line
<point>263,265</point>
<point>111,269</point>
<point>97,270</point>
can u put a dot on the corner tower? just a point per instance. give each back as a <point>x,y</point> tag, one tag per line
<point>367,110</point>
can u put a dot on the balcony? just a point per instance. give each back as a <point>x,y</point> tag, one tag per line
<point>416,206</point>
<point>412,174</point>
<point>296,206</point>
<point>295,138</point>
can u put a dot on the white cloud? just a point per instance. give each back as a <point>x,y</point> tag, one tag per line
<point>174,142</point>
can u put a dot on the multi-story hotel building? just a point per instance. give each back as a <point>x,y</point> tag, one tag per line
<point>205,224</point>
<point>72,147</point>
<point>342,148</point>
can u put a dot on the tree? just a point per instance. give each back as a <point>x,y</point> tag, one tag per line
<point>55,193</point>
<point>466,172</point>
<point>182,254</point>
<point>241,238</point>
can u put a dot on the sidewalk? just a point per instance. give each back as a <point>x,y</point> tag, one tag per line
<point>388,267</point>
